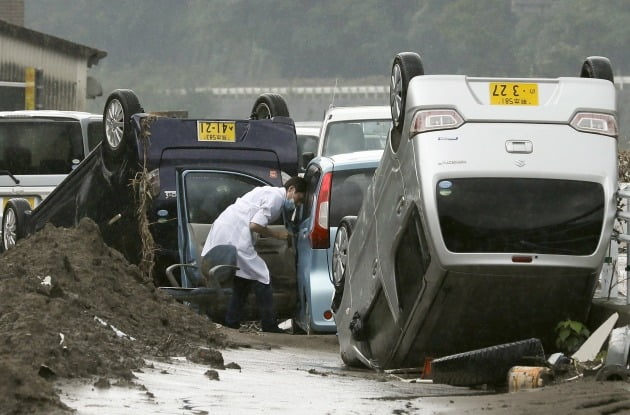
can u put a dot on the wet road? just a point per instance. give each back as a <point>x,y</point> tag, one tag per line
<point>282,380</point>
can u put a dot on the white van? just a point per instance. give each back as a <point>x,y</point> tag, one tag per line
<point>39,148</point>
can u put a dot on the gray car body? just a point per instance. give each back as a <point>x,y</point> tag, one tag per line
<point>411,296</point>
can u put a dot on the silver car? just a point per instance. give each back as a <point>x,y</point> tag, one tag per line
<point>487,220</point>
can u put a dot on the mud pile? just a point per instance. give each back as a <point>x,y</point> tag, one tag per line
<point>70,306</point>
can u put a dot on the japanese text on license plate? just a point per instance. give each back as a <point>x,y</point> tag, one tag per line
<point>216,131</point>
<point>513,93</point>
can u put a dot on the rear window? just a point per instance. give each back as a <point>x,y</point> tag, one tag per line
<point>348,189</point>
<point>356,135</point>
<point>40,146</point>
<point>210,193</point>
<point>561,217</point>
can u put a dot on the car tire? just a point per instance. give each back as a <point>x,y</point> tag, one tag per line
<point>340,258</point>
<point>489,365</point>
<point>268,106</point>
<point>14,222</point>
<point>597,67</point>
<point>118,137</point>
<point>406,66</point>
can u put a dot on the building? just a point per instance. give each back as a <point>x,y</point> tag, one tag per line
<point>40,70</point>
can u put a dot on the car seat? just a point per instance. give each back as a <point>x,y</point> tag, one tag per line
<point>217,269</point>
<point>218,266</point>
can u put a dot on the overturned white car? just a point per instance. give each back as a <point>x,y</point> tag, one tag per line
<point>487,219</point>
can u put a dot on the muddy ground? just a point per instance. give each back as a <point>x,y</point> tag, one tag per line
<point>71,307</point>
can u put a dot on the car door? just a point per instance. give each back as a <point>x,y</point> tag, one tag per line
<point>303,237</point>
<point>202,195</point>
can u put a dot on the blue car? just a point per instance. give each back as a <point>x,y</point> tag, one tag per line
<point>336,186</point>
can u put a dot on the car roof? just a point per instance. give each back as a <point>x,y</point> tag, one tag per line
<point>77,115</point>
<point>346,161</point>
<point>361,112</point>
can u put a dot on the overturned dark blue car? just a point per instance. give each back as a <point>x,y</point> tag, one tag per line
<point>156,183</point>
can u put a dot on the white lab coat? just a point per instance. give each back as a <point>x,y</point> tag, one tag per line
<point>262,205</point>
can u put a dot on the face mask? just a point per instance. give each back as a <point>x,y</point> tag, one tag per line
<point>289,205</point>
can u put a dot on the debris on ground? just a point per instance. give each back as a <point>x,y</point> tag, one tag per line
<point>72,307</point>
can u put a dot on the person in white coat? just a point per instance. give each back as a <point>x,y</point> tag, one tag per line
<point>236,225</point>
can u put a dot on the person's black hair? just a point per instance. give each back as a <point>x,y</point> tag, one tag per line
<point>298,182</point>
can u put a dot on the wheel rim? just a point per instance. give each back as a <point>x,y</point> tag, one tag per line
<point>263,112</point>
<point>114,123</point>
<point>8,232</point>
<point>340,255</point>
<point>395,94</point>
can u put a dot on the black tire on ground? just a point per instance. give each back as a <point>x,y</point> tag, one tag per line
<point>597,67</point>
<point>406,65</point>
<point>295,328</point>
<point>118,137</point>
<point>340,257</point>
<point>268,106</point>
<point>14,222</point>
<point>489,365</point>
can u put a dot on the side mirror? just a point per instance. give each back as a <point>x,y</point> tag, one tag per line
<point>306,158</point>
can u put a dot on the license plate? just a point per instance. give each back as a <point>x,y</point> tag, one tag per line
<point>5,200</point>
<point>513,93</point>
<point>216,131</point>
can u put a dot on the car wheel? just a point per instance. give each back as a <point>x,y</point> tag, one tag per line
<point>340,251</point>
<point>118,137</point>
<point>597,67</point>
<point>340,258</point>
<point>14,222</point>
<point>268,106</point>
<point>489,365</point>
<point>406,65</point>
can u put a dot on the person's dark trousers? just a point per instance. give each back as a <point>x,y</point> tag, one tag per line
<point>264,300</point>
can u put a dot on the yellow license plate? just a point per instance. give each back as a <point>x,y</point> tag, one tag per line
<point>513,93</point>
<point>216,131</point>
<point>5,200</point>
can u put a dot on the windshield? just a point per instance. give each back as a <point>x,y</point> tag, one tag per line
<point>561,217</point>
<point>40,146</point>
<point>356,135</point>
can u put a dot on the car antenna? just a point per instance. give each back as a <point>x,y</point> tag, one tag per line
<point>332,103</point>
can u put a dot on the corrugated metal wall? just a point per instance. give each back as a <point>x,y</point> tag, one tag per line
<point>64,75</point>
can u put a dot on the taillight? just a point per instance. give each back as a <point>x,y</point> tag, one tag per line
<point>320,235</point>
<point>431,120</point>
<point>593,122</point>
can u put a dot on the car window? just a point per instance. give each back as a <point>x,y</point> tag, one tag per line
<point>210,193</point>
<point>40,147</point>
<point>561,217</point>
<point>312,178</point>
<point>356,135</point>
<point>95,134</point>
<point>348,189</point>
<point>306,143</point>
